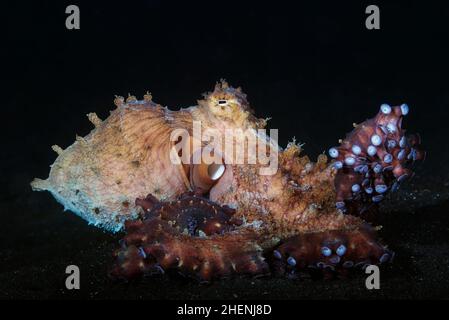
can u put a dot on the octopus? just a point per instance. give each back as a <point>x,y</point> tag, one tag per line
<point>223,218</point>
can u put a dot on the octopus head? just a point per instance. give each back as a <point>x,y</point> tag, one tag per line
<point>228,104</point>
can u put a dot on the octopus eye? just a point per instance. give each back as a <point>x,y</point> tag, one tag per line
<point>222,102</point>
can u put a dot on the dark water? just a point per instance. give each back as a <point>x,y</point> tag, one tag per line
<point>314,68</point>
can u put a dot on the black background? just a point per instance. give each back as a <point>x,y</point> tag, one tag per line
<point>311,66</point>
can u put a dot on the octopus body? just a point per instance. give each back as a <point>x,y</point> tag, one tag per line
<point>218,219</point>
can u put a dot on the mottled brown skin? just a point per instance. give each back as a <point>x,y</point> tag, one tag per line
<point>291,221</point>
<point>243,223</point>
<point>192,235</point>
<point>166,240</point>
<point>304,248</point>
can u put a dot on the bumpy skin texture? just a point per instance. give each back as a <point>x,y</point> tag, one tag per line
<point>203,240</point>
<point>193,235</point>
<point>100,175</point>
<point>305,216</point>
<point>330,251</point>
<point>374,158</point>
<point>127,155</point>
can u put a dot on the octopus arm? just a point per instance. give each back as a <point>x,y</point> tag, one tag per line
<point>334,250</point>
<point>205,243</point>
<point>374,159</point>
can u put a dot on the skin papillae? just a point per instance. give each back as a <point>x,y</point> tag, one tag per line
<point>181,217</point>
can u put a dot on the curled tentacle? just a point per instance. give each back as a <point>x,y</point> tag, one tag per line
<point>201,239</point>
<point>374,159</point>
<point>192,235</point>
<point>331,251</point>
